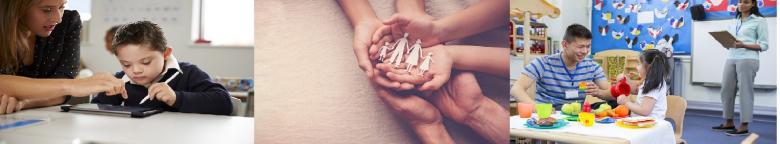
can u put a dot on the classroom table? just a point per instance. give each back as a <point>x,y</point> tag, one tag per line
<point>575,132</point>
<point>166,127</point>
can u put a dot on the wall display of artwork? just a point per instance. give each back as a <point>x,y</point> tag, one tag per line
<point>642,24</point>
<point>726,9</point>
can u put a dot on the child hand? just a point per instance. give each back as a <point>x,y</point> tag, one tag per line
<point>162,92</point>
<point>433,79</point>
<point>373,51</point>
<point>380,77</point>
<point>419,26</point>
<point>362,43</point>
<point>622,99</point>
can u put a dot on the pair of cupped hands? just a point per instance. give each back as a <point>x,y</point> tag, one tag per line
<point>421,99</point>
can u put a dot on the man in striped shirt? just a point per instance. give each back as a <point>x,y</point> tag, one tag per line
<point>557,76</point>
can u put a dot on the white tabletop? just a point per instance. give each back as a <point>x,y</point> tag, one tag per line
<point>166,127</point>
<point>661,133</point>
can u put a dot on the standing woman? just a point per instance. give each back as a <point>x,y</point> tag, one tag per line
<point>750,29</point>
<point>39,56</point>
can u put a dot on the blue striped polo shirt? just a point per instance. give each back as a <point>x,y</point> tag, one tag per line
<point>553,79</point>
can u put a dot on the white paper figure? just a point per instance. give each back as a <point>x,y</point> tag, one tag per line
<point>414,55</point>
<point>398,51</point>
<point>383,51</point>
<point>426,64</point>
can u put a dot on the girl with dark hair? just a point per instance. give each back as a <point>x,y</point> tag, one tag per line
<point>651,100</point>
<point>742,63</point>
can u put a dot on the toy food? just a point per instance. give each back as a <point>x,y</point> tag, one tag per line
<point>549,121</point>
<point>583,86</point>
<point>571,108</point>
<point>621,111</point>
<point>639,121</point>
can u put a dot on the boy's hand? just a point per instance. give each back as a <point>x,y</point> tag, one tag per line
<point>162,92</point>
<point>433,79</point>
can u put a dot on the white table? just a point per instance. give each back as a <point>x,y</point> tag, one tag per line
<point>166,127</point>
<point>661,133</point>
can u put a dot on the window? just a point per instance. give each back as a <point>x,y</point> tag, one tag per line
<point>224,22</point>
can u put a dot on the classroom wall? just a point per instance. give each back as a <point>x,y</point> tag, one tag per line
<point>708,56</point>
<point>708,97</point>
<point>573,11</point>
<point>217,61</point>
<point>698,96</point>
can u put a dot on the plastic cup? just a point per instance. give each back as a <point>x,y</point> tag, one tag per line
<point>587,119</point>
<point>543,110</point>
<point>525,109</point>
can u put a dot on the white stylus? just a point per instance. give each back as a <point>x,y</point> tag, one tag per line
<point>166,82</point>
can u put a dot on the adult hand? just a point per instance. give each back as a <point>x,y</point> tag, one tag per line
<point>9,104</point>
<point>412,108</point>
<point>461,100</point>
<point>418,25</point>
<point>361,44</point>
<point>459,97</point>
<point>98,83</point>
<point>432,79</point>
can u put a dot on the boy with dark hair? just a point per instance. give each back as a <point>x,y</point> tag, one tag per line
<point>147,63</point>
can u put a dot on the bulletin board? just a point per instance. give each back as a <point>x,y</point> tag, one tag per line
<point>642,24</point>
<point>726,9</point>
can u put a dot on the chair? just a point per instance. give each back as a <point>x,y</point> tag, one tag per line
<point>675,110</point>
<point>236,105</point>
<point>751,139</point>
<point>250,105</point>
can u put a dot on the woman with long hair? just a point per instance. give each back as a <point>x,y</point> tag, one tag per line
<point>39,56</point>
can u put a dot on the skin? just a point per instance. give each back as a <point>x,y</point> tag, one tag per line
<point>744,9</point>
<point>480,17</point>
<point>573,52</point>
<point>447,57</point>
<point>428,128</point>
<point>364,20</point>
<point>25,93</point>
<point>644,108</point>
<point>144,65</point>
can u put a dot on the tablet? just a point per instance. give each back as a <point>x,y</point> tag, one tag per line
<point>112,110</point>
<point>724,38</point>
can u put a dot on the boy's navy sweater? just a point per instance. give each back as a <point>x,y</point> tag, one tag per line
<point>195,93</point>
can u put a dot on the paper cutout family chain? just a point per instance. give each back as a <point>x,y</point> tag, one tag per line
<point>400,47</point>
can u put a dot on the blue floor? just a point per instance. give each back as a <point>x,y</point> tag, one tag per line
<point>697,128</point>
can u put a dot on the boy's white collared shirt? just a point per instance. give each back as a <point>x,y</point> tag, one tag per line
<point>170,64</point>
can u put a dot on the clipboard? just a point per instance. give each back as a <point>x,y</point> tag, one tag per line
<point>724,38</point>
<point>111,110</point>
